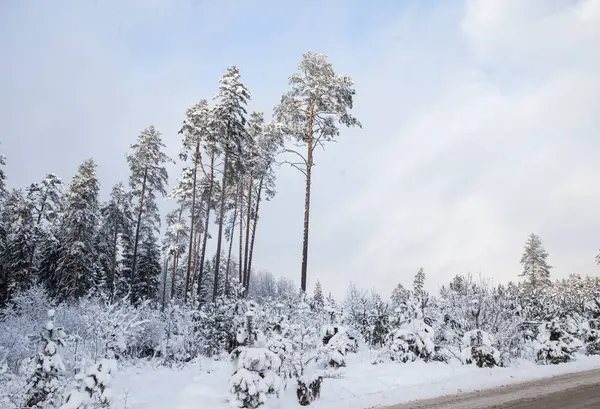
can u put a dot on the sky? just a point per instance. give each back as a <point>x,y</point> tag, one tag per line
<point>481,120</point>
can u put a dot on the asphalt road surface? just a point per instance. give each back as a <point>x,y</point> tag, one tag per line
<point>572,391</point>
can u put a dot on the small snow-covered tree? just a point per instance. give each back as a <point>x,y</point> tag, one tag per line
<point>592,338</point>
<point>256,368</point>
<point>92,388</point>
<point>554,344</point>
<point>43,386</point>
<point>411,341</point>
<point>536,269</point>
<point>479,349</point>
<point>318,296</point>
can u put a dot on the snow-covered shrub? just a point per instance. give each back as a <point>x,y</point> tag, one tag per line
<point>256,368</point>
<point>333,354</point>
<point>592,338</point>
<point>44,385</point>
<point>183,337</point>
<point>555,345</point>
<point>479,349</point>
<point>28,311</point>
<point>412,341</point>
<point>92,388</point>
<point>219,328</point>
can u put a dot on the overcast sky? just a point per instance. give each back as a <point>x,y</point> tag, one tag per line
<point>481,120</point>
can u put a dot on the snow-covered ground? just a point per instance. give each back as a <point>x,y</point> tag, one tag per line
<point>204,384</point>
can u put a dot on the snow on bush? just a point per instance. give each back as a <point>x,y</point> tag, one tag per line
<point>479,349</point>
<point>92,388</point>
<point>554,345</point>
<point>49,367</point>
<point>412,341</point>
<point>592,337</point>
<point>256,368</point>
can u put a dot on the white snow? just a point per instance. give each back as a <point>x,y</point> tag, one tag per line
<point>362,385</point>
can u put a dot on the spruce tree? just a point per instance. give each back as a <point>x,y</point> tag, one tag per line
<point>310,113</point>
<point>77,265</point>
<point>114,235</point>
<point>148,177</point>
<point>230,119</point>
<point>44,385</point>
<point>19,233</point>
<point>45,199</point>
<point>318,296</point>
<point>536,269</point>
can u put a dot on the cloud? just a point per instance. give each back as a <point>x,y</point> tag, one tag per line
<point>480,120</point>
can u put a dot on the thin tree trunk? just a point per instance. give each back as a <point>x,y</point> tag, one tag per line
<point>258,194</point>
<point>309,164</point>
<point>176,256</point>
<point>194,256</point>
<point>248,216</point>
<point>208,206</point>
<point>164,293</point>
<point>113,267</point>
<point>137,236</point>
<point>220,233</point>
<point>241,239</point>
<point>195,270</point>
<point>231,243</point>
<point>192,224</point>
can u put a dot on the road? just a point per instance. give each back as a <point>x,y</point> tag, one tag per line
<point>572,391</point>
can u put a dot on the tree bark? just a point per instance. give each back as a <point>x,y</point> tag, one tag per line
<point>241,241</point>
<point>231,242</point>
<point>220,233</point>
<point>192,224</point>
<point>137,236</point>
<point>113,262</point>
<point>309,163</point>
<point>258,194</point>
<point>176,256</point>
<point>248,216</point>
<point>164,292</point>
<point>208,206</point>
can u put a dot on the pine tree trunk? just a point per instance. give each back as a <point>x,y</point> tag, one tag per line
<point>235,211</point>
<point>208,206</point>
<point>194,256</point>
<point>192,224</point>
<point>113,262</point>
<point>176,256</point>
<point>309,163</point>
<point>137,237</point>
<point>220,233</point>
<point>258,194</point>
<point>241,239</point>
<point>248,216</point>
<point>164,293</point>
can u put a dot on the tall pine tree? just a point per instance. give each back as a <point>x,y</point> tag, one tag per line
<point>318,102</point>
<point>230,118</point>
<point>148,177</point>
